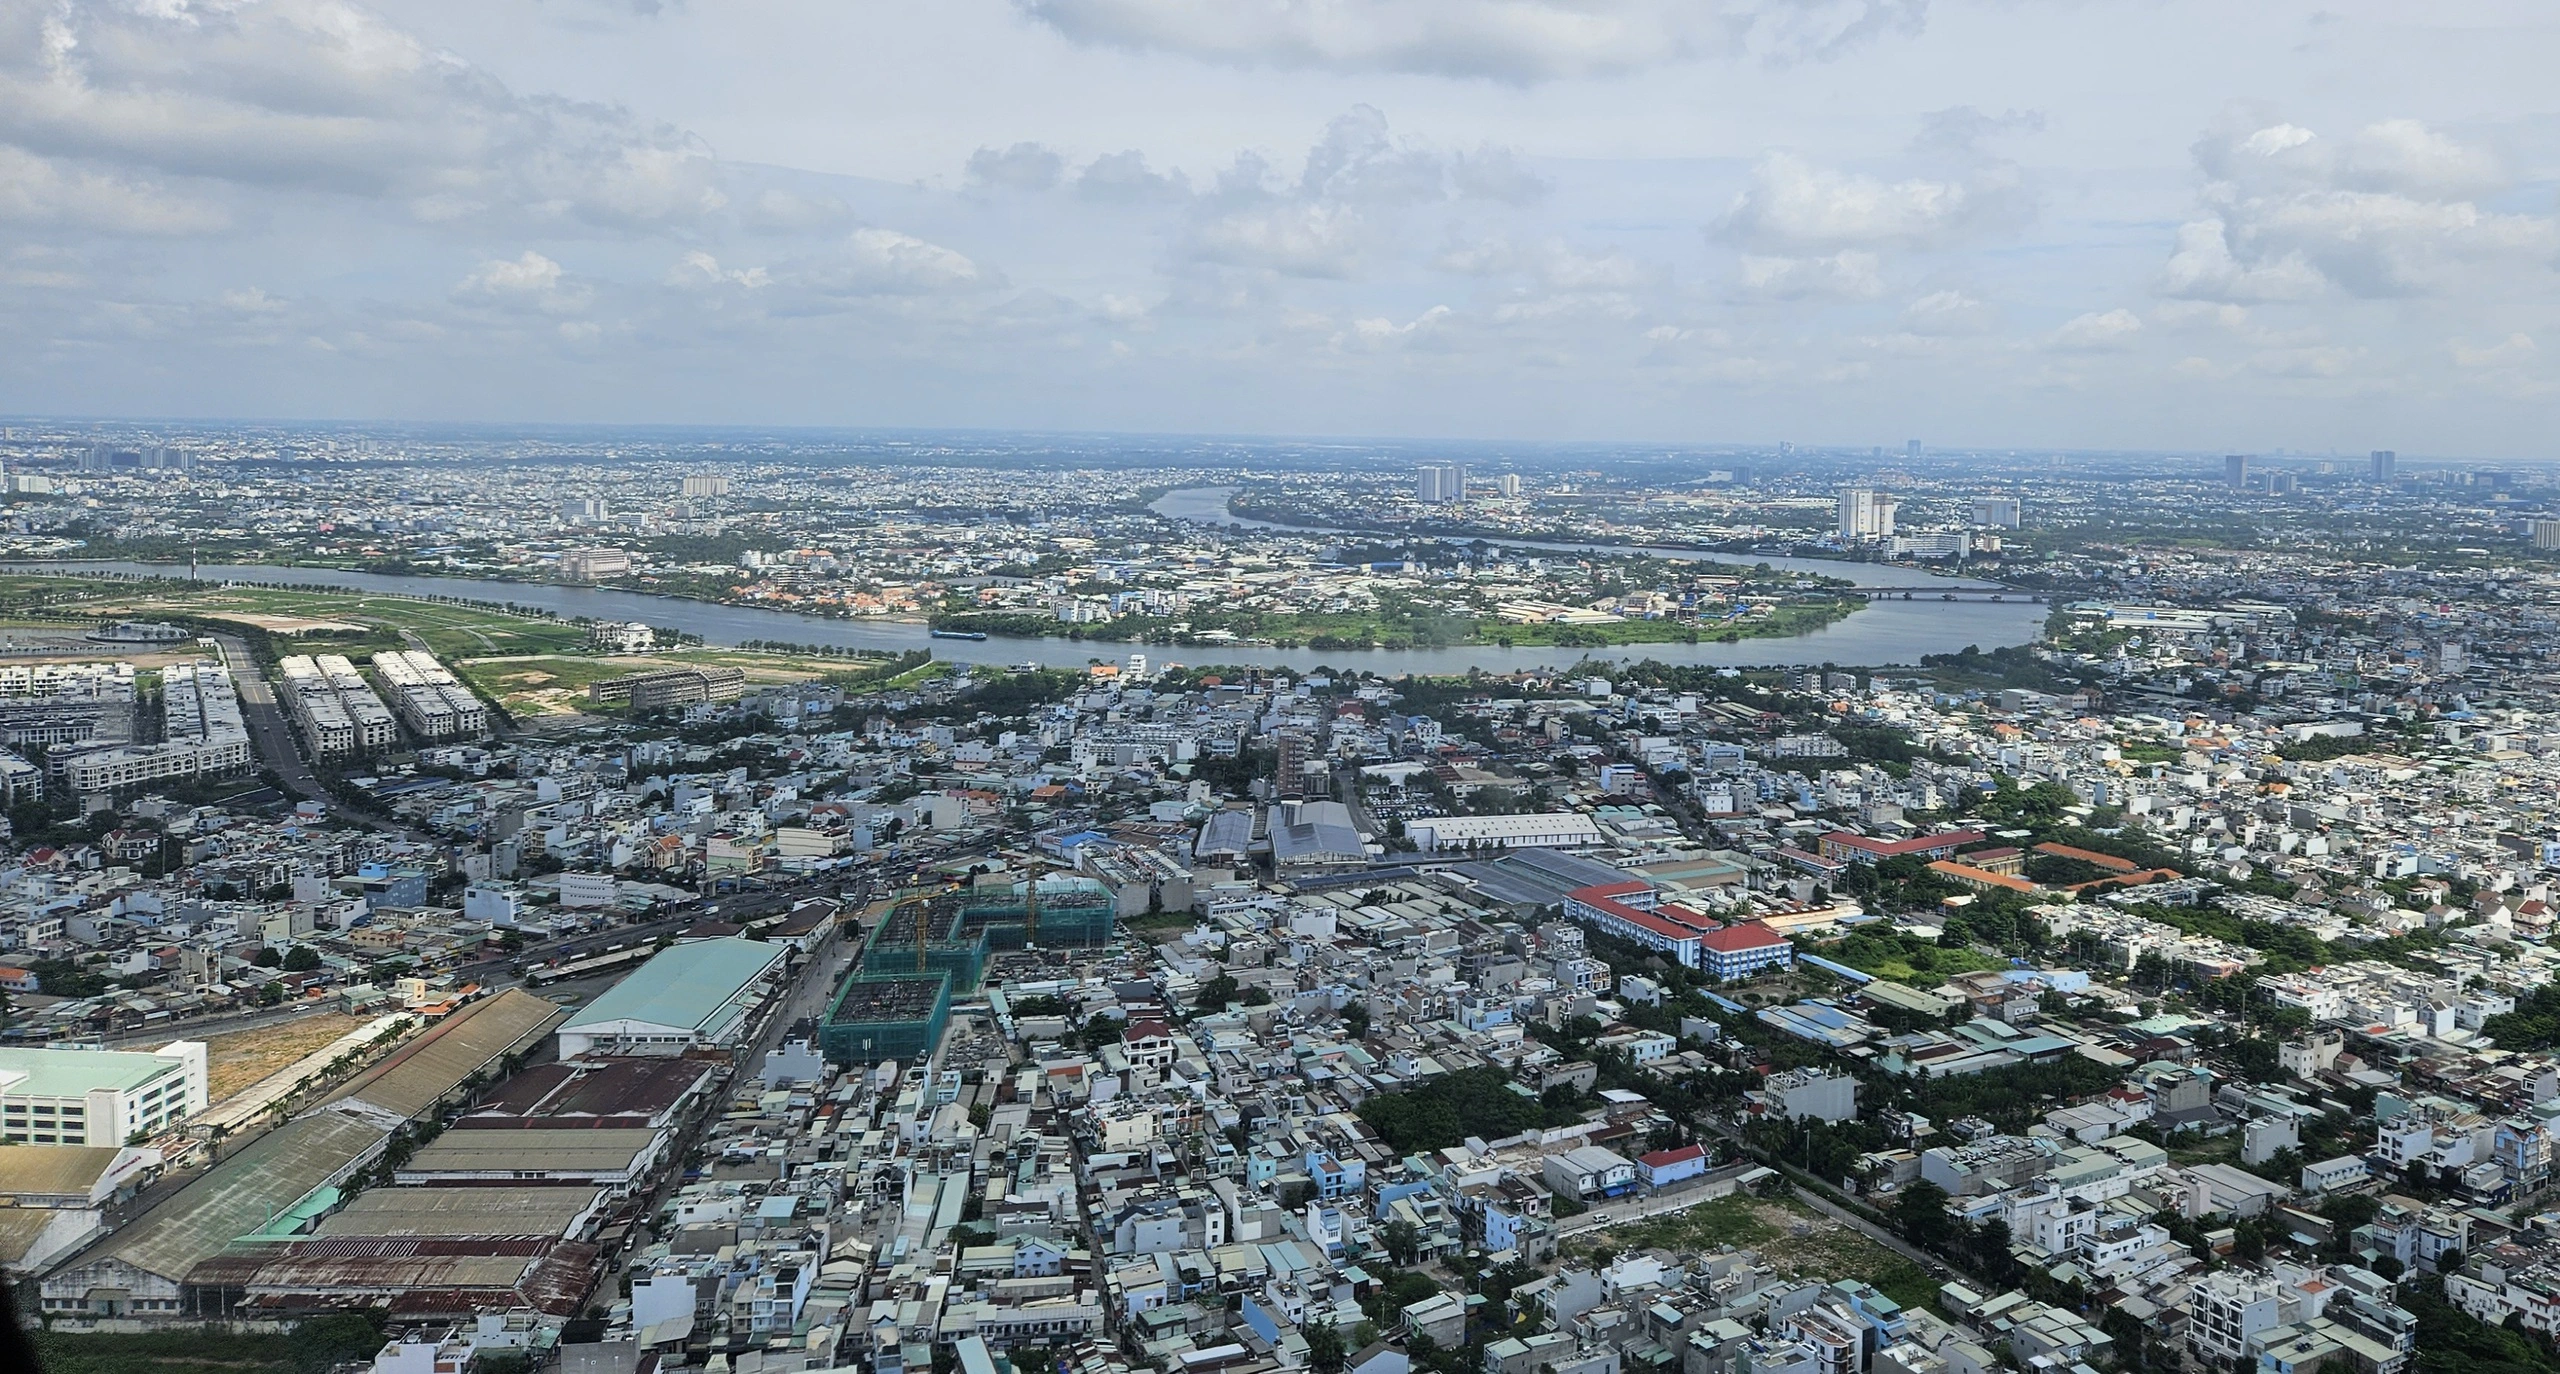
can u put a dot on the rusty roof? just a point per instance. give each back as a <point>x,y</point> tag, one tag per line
<point>449,1273</point>
<point>420,1073</point>
<point>621,1092</point>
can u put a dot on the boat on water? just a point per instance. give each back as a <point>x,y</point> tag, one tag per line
<point>957,634</point>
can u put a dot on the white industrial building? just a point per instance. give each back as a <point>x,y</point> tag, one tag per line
<point>1548,830</point>
<point>694,996</point>
<point>99,1097</point>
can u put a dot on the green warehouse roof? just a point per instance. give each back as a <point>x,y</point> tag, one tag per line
<point>71,1073</point>
<point>687,987</point>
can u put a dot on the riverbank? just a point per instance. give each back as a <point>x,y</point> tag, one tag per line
<point>1885,633</point>
<point>1401,632</point>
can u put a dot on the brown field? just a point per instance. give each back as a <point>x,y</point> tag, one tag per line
<point>237,1060</point>
<point>288,624</point>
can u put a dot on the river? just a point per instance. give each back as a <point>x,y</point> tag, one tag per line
<point>1886,632</point>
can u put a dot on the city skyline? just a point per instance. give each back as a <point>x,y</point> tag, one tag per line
<point>2327,229</point>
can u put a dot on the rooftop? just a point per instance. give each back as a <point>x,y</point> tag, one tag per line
<point>685,987</point>
<point>71,1073</point>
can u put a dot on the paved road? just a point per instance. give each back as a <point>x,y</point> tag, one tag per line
<point>277,747</point>
<point>1935,1264</point>
<point>267,723</point>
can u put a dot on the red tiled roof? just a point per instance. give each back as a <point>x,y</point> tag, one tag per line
<point>1740,936</point>
<point>1662,1158</point>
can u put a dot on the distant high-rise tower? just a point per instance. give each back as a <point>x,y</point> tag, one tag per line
<point>1866,514</point>
<point>1996,512</point>
<point>579,510</point>
<point>696,488</point>
<point>1439,484</point>
<point>1911,449</point>
<point>2235,470</point>
<point>1508,483</point>
<point>2386,465</point>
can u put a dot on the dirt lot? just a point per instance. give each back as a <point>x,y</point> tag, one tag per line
<point>241,1058</point>
<point>1792,1237</point>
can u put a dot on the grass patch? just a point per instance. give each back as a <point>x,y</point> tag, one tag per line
<point>552,684</point>
<point>1160,923</point>
<point>452,632</point>
<point>1791,1237</point>
<point>309,1348</point>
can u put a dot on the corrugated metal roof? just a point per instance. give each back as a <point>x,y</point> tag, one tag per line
<point>53,1170</point>
<point>415,1076</point>
<point>585,1148</point>
<point>460,1212</point>
<point>241,1193</point>
<point>685,987</point>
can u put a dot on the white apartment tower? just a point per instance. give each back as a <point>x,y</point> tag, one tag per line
<point>1440,484</point>
<point>1866,514</point>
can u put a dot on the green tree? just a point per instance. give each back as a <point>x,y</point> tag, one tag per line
<point>301,959</point>
<point>1921,1214</point>
<point>1325,1354</point>
<point>1215,994</point>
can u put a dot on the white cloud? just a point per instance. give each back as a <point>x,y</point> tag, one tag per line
<point>2514,350</point>
<point>252,300</point>
<point>2392,212</point>
<point>323,95</point>
<point>1299,240</point>
<point>776,211</point>
<point>2098,333</point>
<point>2204,268</point>
<point>1358,160</point>
<point>1554,265</point>
<point>1022,167</point>
<point>1506,40</point>
<point>1839,276</point>
<point>1793,206</point>
<point>1942,313</point>
<point>40,191</point>
<point>1125,176</point>
<point>884,262</point>
<point>698,270</point>
<point>531,274</point>
<point>527,281</point>
<point>1382,332</point>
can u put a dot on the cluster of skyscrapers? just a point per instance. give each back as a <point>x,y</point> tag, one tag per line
<point>2383,468</point>
<point>1440,484</point>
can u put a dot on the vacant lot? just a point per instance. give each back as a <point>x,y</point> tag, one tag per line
<point>556,684</point>
<point>237,1060</point>
<point>1790,1236</point>
<point>451,631</point>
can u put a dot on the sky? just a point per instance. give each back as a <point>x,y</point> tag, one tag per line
<point>1980,223</point>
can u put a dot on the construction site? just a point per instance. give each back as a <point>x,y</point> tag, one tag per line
<point>874,1018</point>
<point>954,931</point>
<point>933,947</point>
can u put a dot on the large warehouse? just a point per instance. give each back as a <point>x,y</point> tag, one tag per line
<point>694,996</point>
<point>148,1269</point>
